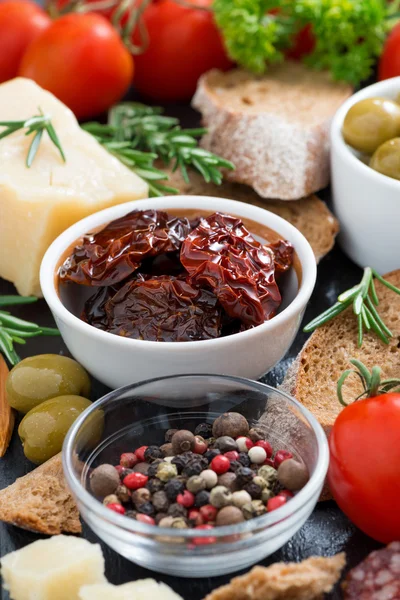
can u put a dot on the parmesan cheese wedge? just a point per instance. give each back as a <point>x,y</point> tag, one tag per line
<point>38,203</point>
<point>52,569</point>
<point>143,589</point>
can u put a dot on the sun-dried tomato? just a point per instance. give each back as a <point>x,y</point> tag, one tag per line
<point>283,255</point>
<point>115,252</point>
<point>222,255</point>
<point>164,309</point>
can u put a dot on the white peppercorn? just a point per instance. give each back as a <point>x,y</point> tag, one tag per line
<point>241,498</point>
<point>210,477</point>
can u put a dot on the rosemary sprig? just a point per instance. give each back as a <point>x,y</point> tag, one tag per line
<point>16,331</point>
<point>370,380</point>
<point>364,300</point>
<point>37,125</point>
<point>145,130</point>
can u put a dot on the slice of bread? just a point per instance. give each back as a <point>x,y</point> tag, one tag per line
<point>310,215</point>
<point>312,378</point>
<point>274,128</point>
<point>41,502</point>
<point>307,580</point>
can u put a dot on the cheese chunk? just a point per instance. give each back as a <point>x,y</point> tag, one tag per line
<point>52,569</point>
<point>143,589</point>
<point>38,203</point>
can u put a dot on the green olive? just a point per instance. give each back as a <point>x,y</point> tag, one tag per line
<point>38,378</point>
<point>370,123</point>
<point>43,429</point>
<point>386,159</point>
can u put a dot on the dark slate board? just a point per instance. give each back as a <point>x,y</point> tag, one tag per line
<point>327,531</point>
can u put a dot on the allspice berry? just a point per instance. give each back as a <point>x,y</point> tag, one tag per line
<point>104,480</point>
<point>292,474</point>
<point>229,515</point>
<point>183,441</point>
<point>167,449</point>
<point>232,424</point>
<point>229,480</point>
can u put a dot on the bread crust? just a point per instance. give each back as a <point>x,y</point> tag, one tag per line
<point>279,156</point>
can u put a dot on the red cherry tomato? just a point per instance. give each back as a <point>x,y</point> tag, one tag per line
<point>303,43</point>
<point>364,472</point>
<point>184,43</point>
<point>21,22</point>
<point>389,63</point>
<point>81,59</point>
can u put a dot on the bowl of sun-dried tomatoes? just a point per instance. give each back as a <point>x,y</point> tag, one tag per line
<point>182,284</point>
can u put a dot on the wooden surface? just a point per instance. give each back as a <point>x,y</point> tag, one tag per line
<point>327,531</point>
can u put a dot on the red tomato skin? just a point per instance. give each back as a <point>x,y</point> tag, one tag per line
<point>81,60</point>
<point>303,44</point>
<point>184,43</point>
<point>389,62</point>
<point>364,471</point>
<point>21,22</point>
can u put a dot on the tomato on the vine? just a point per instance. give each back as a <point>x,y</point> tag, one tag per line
<point>81,59</point>
<point>184,43</point>
<point>364,471</point>
<point>389,62</point>
<point>21,21</point>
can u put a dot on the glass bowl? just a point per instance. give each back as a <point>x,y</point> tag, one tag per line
<point>140,414</point>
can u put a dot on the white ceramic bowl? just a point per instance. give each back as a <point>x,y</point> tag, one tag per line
<point>118,361</point>
<point>366,202</point>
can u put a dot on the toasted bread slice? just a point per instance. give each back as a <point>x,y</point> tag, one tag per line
<point>41,502</point>
<point>313,376</point>
<point>274,128</point>
<point>307,580</point>
<point>310,215</point>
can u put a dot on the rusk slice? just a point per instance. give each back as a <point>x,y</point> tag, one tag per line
<point>310,215</point>
<point>41,502</point>
<point>274,128</point>
<point>307,580</point>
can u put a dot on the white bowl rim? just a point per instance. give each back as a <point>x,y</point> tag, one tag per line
<point>338,143</point>
<point>65,239</point>
<point>269,519</point>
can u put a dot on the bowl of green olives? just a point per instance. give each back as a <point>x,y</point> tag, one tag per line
<point>365,162</point>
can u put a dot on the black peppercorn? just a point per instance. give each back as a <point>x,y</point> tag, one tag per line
<point>244,475</point>
<point>194,467</point>
<point>244,459</point>
<point>152,470</point>
<point>147,508</point>
<point>154,485</point>
<point>124,472</point>
<point>131,514</point>
<point>153,453</point>
<point>169,434</point>
<point>202,498</point>
<point>182,441</point>
<point>177,510</point>
<point>226,444</point>
<point>210,454</point>
<point>160,501</point>
<point>204,429</point>
<point>234,466</point>
<point>253,489</point>
<point>174,487</point>
<point>181,461</point>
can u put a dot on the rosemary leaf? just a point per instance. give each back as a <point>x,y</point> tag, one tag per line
<point>15,300</point>
<point>33,148</point>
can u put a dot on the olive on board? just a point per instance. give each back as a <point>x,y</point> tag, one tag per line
<point>38,378</point>
<point>43,429</point>
<point>386,159</point>
<point>371,122</point>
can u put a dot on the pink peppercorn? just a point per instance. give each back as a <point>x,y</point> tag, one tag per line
<point>287,494</point>
<point>200,446</point>
<point>280,456</point>
<point>140,453</point>
<point>128,460</point>
<point>267,447</point>
<point>232,455</point>
<point>269,462</point>
<point>120,469</point>
<point>244,444</point>
<point>204,540</point>
<point>134,481</point>
<point>220,464</point>
<point>194,515</point>
<point>208,512</point>
<point>276,502</point>
<point>118,508</point>
<point>145,519</point>
<point>186,499</point>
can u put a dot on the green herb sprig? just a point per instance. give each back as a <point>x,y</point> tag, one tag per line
<point>139,134</point>
<point>36,125</point>
<point>370,380</point>
<point>16,331</point>
<point>364,300</point>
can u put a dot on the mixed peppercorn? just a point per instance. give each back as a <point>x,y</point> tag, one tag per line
<point>222,474</point>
